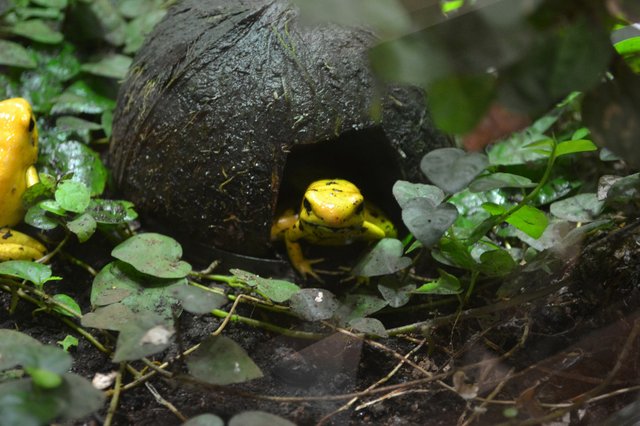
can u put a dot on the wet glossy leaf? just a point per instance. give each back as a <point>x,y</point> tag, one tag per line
<point>14,55</point>
<point>71,123</point>
<point>624,189</point>
<point>221,361</point>
<point>36,216</point>
<point>112,211</point>
<point>404,191</point>
<point>528,219</point>
<point>80,98</point>
<point>83,226</point>
<point>111,66</point>
<point>205,420</point>
<point>385,258</point>
<point>197,300</point>
<point>454,253</point>
<point>314,304</point>
<point>37,30</point>
<point>153,254</point>
<point>70,305</point>
<point>579,208</point>
<point>73,196</point>
<point>52,206</point>
<point>428,222</point>
<point>36,273</point>
<point>147,335</point>
<point>500,180</point>
<point>446,284</point>
<point>452,169</point>
<point>277,290</point>
<point>84,163</point>
<point>252,418</point>
<point>458,103</point>
<point>55,4</point>
<point>369,326</point>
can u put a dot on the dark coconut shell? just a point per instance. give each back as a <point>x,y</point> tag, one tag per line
<point>230,105</point>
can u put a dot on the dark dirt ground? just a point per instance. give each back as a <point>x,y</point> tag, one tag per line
<point>563,343</point>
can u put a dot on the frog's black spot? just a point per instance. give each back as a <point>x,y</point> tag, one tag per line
<point>376,215</point>
<point>32,124</point>
<point>331,182</point>
<point>307,206</point>
<point>360,208</point>
<point>301,227</point>
<point>337,190</point>
<point>6,235</point>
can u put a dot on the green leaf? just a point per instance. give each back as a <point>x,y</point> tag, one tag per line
<point>111,66</point>
<point>153,254</point>
<point>36,216</point>
<point>55,4</point>
<point>73,196</point>
<point>314,304</point>
<point>277,290</point>
<point>575,146</point>
<point>52,206</point>
<point>112,212</point>
<point>358,306</point>
<point>628,46</point>
<point>118,282</point>
<point>500,180</point>
<point>197,300</point>
<point>404,191</point>
<point>579,208</point>
<point>370,326</point>
<point>250,418</point>
<point>14,55</point>
<point>111,317</point>
<point>452,169</point>
<point>68,342</point>
<point>394,294</point>
<point>44,379</point>
<point>80,98</point>
<point>496,263</point>
<point>529,220</point>
<point>18,349</point>
<point>71,123</point>
<point>69,303</point>
<point>446,284</point>
<point>148,335</point>
<point>37,273</point>
<point>428,222</point>
<point>83,226</point>
<point>205,420</point>
<point>37,30</point>
<point>385,258</point>
<point>85,164</point>
<point>457,103</point>
<point>221,361</point>
<point>138,29</point>
<point>454,253</point>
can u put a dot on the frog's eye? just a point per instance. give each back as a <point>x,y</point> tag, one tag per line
<point>307,206</point>
<point>32,124</point>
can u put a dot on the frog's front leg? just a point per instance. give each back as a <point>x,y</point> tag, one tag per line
<point>296,257</point>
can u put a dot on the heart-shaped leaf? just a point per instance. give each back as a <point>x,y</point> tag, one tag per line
<point>197,300</point>
<point>428,222</point>
<point>579,208</point>
<point>404,191</point>
<point>452,169</point>
<point>385,258</point>
<point>221,361</point>
<point>153,254</point>
<point>314,304</point>
<point>147,335</point>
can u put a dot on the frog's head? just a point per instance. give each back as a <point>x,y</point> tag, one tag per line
<point>333,203</point>
<point>18,129</point>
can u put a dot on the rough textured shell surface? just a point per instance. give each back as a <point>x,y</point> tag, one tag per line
<point>220,94</point>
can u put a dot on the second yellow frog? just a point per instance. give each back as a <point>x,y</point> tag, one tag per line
<point>333,212</point>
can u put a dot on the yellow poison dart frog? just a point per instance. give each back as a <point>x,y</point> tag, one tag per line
<point>18,154</point>
<point>333,212</point>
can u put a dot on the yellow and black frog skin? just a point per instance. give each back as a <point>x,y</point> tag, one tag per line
<point>18,154</point>
<point>333,212</point>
